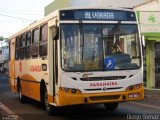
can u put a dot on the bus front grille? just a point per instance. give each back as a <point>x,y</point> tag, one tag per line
<point>104,89</point>
<point>99,98</point>
<point>102,78</point>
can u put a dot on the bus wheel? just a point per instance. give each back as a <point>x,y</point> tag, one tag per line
<point>111,106</point>
<point>21,97</point>
<point>51,110</point>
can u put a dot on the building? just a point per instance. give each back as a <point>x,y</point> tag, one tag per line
<point>149,20</point>
<point>147,11</point>
<point>57,4</point>
<point>4,56</point>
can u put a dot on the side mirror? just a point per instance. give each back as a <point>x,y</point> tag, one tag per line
<point>143,44</point>
<point>143,40</point>
<point>55,33</point>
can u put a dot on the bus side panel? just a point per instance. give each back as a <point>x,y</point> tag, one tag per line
<point>12,81</point>
<point>31,90</point>
<point>30,73</point>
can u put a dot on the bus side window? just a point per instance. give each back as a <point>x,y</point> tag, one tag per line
<point>35,40</point>
<point>22,46</point>
<point>17,48</point>
<point>43,40</point>
<point>28,45</point>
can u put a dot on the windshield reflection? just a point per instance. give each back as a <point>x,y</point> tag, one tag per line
<point>99,47</point>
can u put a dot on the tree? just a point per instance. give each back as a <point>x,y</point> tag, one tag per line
<point>1,38</point>
<point>4,41</point>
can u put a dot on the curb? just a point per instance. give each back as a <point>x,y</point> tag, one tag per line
<point>7,114</point>
<point>152,94</point>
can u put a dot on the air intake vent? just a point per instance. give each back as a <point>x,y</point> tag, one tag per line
<point>111,97</point>
<point>103,78</point>
<point>104,89</point>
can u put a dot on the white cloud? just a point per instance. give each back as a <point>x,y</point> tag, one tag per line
<point>27,9</point>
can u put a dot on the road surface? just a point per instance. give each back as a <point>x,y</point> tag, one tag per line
<point>32,110</point>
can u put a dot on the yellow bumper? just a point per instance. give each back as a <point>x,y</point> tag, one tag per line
<point>68,98</point>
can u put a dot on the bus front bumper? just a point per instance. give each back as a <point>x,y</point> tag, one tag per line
<point>69,98</point>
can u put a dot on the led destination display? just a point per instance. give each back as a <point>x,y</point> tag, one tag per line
<point>94,14</point>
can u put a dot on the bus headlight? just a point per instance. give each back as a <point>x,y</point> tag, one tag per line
<point>134,87</point>
<point>71,90</point>
<point>137,86</point>
<point>66,89</point>
<point>131,87</point>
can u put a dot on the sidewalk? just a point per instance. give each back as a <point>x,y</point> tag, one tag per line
<point>151,93</point>
<point>7,114</point>
<point>151,98</point>
<point>2,111</point>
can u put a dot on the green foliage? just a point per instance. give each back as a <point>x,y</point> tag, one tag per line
<point>2,38</point>
<point>4,42</point>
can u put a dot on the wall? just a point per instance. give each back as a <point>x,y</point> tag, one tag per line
<point>91,3</point>
<point>148,15</point>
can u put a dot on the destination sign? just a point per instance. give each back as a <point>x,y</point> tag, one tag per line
<point>97,14</point>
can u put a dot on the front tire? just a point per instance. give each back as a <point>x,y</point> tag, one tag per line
<point>111,106</point>
<point>51,110</point>
<point>21,97</point>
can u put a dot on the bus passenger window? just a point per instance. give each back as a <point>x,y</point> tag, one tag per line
<point>28,43</point>
<point>35,40</point>
<point>43,40</point>
<point>17,48</point>
<point>22,45</point>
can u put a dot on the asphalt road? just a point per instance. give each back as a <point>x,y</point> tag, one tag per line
<point>32,110</point>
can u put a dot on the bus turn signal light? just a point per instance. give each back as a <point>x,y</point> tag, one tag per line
<point>71,90</point>
<point>134,87</point>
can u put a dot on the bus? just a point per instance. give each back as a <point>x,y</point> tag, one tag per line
<point>78,56</point>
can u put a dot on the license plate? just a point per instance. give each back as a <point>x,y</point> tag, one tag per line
<point>135,95</point>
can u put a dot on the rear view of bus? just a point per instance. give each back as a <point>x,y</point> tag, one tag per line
<point>101,57</point>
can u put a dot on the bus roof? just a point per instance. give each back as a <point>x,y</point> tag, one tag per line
<point>55,14</point>
<point>35,24</point>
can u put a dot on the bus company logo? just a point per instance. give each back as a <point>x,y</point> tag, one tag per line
<point>35,68</point>
<point>103,84</point>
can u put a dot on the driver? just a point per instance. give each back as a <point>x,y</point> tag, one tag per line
<point>116,49</point>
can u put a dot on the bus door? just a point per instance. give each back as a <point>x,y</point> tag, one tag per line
<point>12,65</point>
<point>55,60</point>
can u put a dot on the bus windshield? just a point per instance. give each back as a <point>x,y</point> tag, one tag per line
<point>100,47</point>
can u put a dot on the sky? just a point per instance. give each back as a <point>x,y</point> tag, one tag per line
<point>17,14</point>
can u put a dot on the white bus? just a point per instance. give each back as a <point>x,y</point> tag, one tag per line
<point>78,56</point>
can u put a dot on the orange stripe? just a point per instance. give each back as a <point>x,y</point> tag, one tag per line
<point>50,99</point>
<point>31,89</point>
<point>28,77</point>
